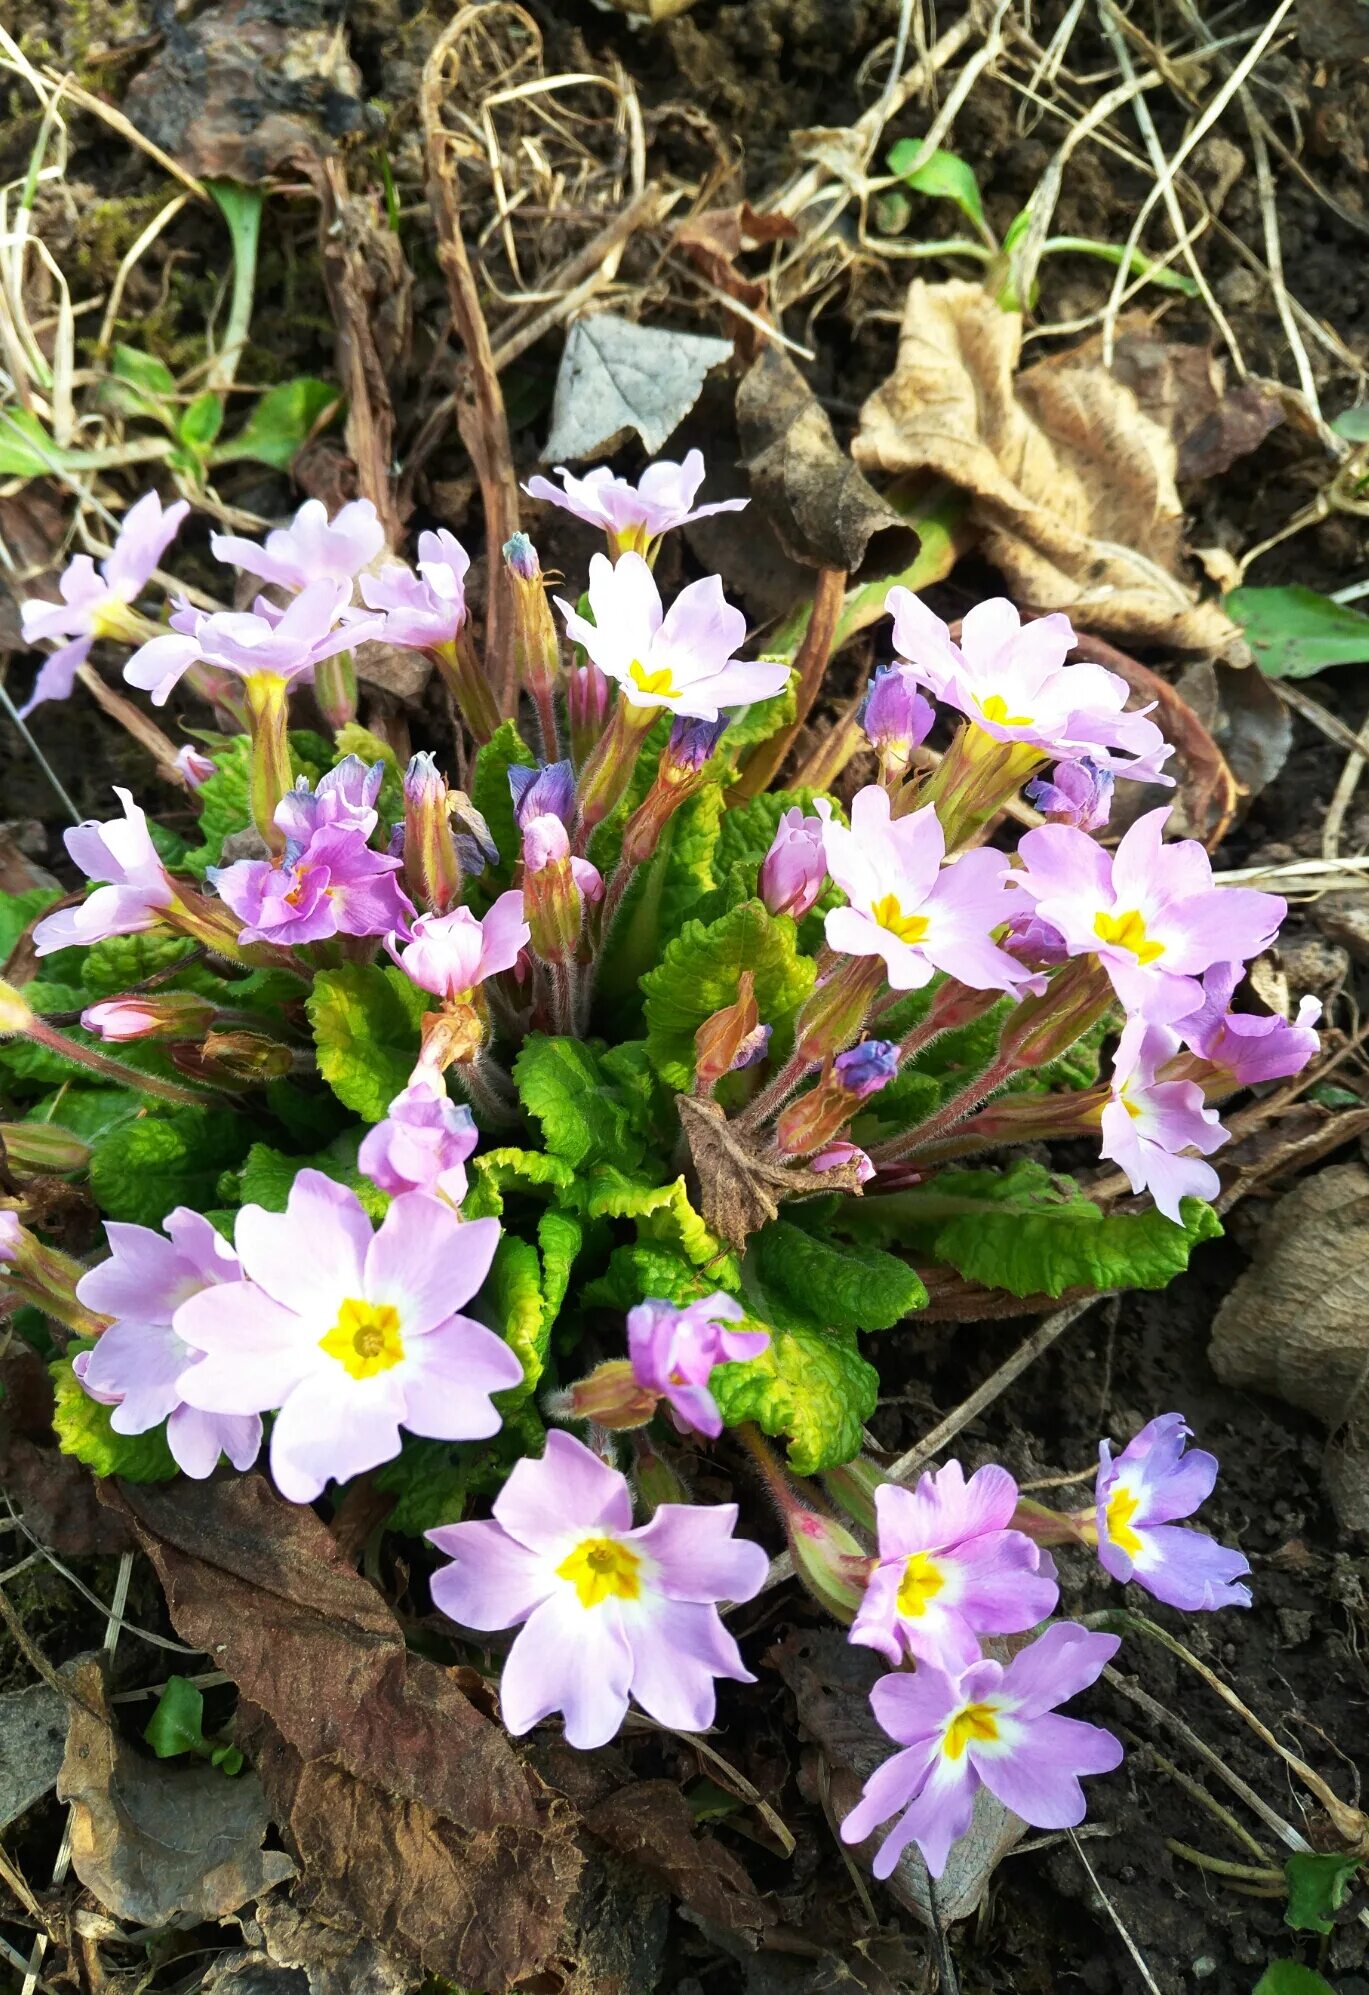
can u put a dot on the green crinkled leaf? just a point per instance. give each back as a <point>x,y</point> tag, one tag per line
<point>18,910</point>
<point>749,726</point>
<point>849,1287</point>
<point>700,973</point>
<point>662,1212</point>
<point>521,1315</point>
<point>121,961</point>
<point>628,1065</point>
<point>493,1173</point>
<point>87,1112</point>
<point>646,1269</point>
<point>560,1235</point>
<point>1317,1884</point>
<point>82,1428</point>
<point>688,873</point>
<point>434,1480</point>
<point>366,1022</point>
<point>267,1175</point>
<point>141,1169</point>
<point>561,1084</point>
<point>1033,1233</point>
<point>492,797</point>
<point>811,1385</point>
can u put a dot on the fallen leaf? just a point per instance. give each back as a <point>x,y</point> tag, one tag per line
<point>1207,794</point>
<point>236,94</point>
<point>740,1187</point>
<point>1243,716</point>
<point>1296,1324</point>
<point>33,1730</point>
<point>54,1493</point>
<point>714,240</point>
<point>292,1954</point>
<point>831,1683</point>
<point>1072,486</point>
<point>821,505</point>
<point>1183,388</point>
<point>649,1824</point>
<point>616,376</point>
<point>415,1820</point>
<point>159,1845</point>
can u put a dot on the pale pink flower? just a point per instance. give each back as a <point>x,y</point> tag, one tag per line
<point>423,1143</point>
<point>286,644</point>
<point>120,853</point>
<point>312,548</point>
<point>450,954</point>
<point>634,516</point>
<point>422,610</point>
<point>1149,1125</point>
<point>675,1349</point>
<point>1139,1495</point>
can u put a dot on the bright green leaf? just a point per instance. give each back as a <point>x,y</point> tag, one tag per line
<point>87,1113</point>
<point>1317,1884</point>
<point>284,420</point>
<point>1294,632</point>
<point>1353,424</point>
<point>366,1023</point>
<point>267,1175</point>
<point>944,176</point>
<point>1289,1977</point>
<point>847,1287</point>
<point>143,371</point>
<point>17,911</point>
<point>26,449</point>
<point>120,961</point>
<point>82,1428</point>
<point>201,422</point>
<point>560,1236</point>
<point>520,1311</point>
<point>810,1384</point>
<point>647,1269</point>
<point>493,1173</point>
<point>492,797</point>
<point>177,1724</point>
<point>583,1121</point>
<point>142,1169</point>
<point>700,973</point>
<point>662,1212</point>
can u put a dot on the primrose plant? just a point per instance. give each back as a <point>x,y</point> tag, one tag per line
<point>509,1130</point>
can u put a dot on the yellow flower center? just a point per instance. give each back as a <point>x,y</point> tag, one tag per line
<point>972,1721</point>
<point>601,1569</point>
<point>660,683</point>
<point>995,708</point>
<point>922,1581</point>
<point>1128,931</point>
<point>114,618</point>
<point>907,927</point>
<point>1122,1507</point>
<point>365,1339</point>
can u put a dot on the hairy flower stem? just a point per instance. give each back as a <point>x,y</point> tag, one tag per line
<point>42,1034</point>
<point>608,771</point>
<point>547,727</point>
<point>949,1115</point>
<point>563,997</point>
<point>776,1092</point>
<point>272,775</point>
<point>491,1092</point>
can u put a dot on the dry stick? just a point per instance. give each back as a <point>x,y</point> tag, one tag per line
<point>1312,711</point>
<point>1344,792</point>
<point>132,719</point>
<point>810,667</point>
<point>1197,1792</point>
<point>480,413</point>
<point>1337,446</point>
<point>1128,1942</point>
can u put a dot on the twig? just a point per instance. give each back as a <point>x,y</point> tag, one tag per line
<point>810,668</point>
<point>1197,1792</point>
<point>480,413</point>
<point>36,752</point>
<point>1314,712</point>
<point>1344,792</point>
<point>1127,1941</point>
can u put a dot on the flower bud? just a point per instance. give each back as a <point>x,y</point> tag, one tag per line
<point>817,1117</point>
<point>679,772</point>
<point>1033,942</point>
<point>794,870</point>
<point>656,1480</point>
<point>589,695</point>
<point>837,1155</point>
<point>536,646</point>
<point>193,766</point>
<point>235,1059</point>
<point>834,1011</point>
<point>832,1564</point>
<point>728,1039</point>
<point>610,1397</point>
<point>896,718</point>
<point>1077,793</point>
<point>548,791</point>
<point>432,866</point>
<point>866,1068</point>
<point>41,1146</point>
<point>161,1015</point>
<point>44,1277</point>
<point>689,749</point>
<point>1043,1028</point>
<point>853,1486</point>
<point>335,689</point>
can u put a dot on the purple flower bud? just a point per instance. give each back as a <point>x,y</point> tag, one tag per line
<point>866,1068</point>
<point>1032,941</point>
<point>1077,793</point>
<point>521,556</point>
<point>690,746</point>
<point>794,870</point>
<point>545,792</point>
<point>895,716</point>
<point>588,698</point>
<point>753,1048</point>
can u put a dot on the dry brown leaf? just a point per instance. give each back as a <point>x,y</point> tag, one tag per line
<point>1072,487</point>
<point>823,508</point>
<point>1183,388</point>
<point>649,1824</point>
<point>33,1729</point>
<point>415,1819</point>
<point>1297,1322</point>
<point>740,1187</point>
<point>831,1684</point>
<point>159,1845</point>
<point>53,1491</point>
<point>713,240</point>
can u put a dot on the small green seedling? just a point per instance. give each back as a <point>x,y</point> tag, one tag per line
<point>177,1726</point>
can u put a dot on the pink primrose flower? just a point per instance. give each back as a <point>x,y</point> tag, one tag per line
<point>312,548</point>
<point>119,853</point>
<point>634,516</point>
<point>674,1350</point>
<point>1139,1495</point>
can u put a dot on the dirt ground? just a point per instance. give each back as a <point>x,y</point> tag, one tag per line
<point>733,80</point>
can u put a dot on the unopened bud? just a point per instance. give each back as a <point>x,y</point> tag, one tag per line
<point>690,748</point>
<point>843,1156</point>
<point>610,1397</point>
<point>548,791</point>
<point>432,866</point>
<point>556,888</point>
<point>335,689</point>
<point>42,1146</point>
<point>866,1068</point>
<point>895,717</point>
<point>853,1486</point>
<point>656,1480</point>
<point>1076,793</point>
<point>1043,1028</point>
<point>727,1039</point>
<point>163,1015</point>
<point>834,1012</point>
<point>536,646</point>
<point>832,1564</point>
<point>794,870</point>
<point>235,1059</point>
<point>589,695</point>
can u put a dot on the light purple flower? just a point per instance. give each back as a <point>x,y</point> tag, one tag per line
<point>949,1570</point>
<point>1139,1495</point>
<point>281,644</point>
<point>1150,912</point>
<point>634,516</point>
<point>863,1070</point>
<point>681,659</point>
<point>350,1334</point>
<point>837,1154</point>
<point>1011,681</point>
<point>909,909</point>
<point>794,871</point>
<point>546,843</point>
<point>607,1612</point>
<point>333,885</point>
<point>11,1236</point>
<point>673,1352</point>
<point>138,1363</point>
<point>345,798</point>
<point>95,602</point>
<point>423,610</point>
<point>423,1143</point>
<point>1245,1047</point>
<point>993,1727</point>
<point>312,548</point>
<point>449,954</point>
<point>155,1014</point>
<point>548,791</point>
<point>121,853</point>
<point>1149,1123</point>
<point>1077,793</point>
<point>1033,942</point>
<point>895,717</point>
<point>690,747</point>
<point>193,766</point>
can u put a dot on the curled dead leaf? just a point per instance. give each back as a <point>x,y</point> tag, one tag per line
<point>740,1187</point>
<point>1297,1323</point>
<point>1072,486</point>
<point>649,1824</point>
<point>1183,387</point>
<point>415,1819</point>
<point>159,1845</point>
<point>821,505</point>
